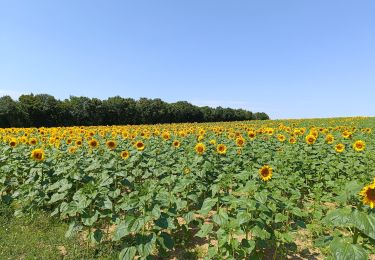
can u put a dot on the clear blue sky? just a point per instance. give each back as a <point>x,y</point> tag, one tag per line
<point>290,59</point>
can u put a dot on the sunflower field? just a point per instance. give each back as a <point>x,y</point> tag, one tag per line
<point>241,190</point>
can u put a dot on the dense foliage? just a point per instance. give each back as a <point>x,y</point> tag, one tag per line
<point>45,110</point>
<point>244,188</point>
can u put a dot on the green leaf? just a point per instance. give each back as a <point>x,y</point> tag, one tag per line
<point>342,250</point>
<point>207,205</point>
<point>260,197</point>
<point>166,241</point>
<point>205,229</point>
<point>73,229</point>
<point>128,253</point>
<point>280,218</point>
<point>365,223</point>
<point>96,236</point>
<point>57,196</point>
<point>220,217</point>
<point>338,217</point>
<point>121,230</point>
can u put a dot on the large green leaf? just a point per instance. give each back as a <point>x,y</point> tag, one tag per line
<point>338,217</point>
<point>205,230</point>
<point>343,250</point>
<point>207,205</point>
<point>365,223</point>
<point>128,253</point>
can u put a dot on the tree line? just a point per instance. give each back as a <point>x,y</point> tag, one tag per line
<point>45,110</point>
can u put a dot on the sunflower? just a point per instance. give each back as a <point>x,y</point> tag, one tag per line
<point>13,143</point>
<point>340,148</point>
<point>292,140</point>
<point>38,154</point>
<point>139,145</point>
<point>265,172</point>
<point>33,141</point>
<point>111,144</point>
<point>221,149</point>
<point>213,141</point>
<point>281,137</point>
<point>176,143</point>
<point>93,143</point>
<point>166,136</point>
<point>200,148</point>
<point>79,142</point>
<point>368,194</point>
<point>125,154</point>
<point>329,139</point>
<point>347,134</point>
<point>310,139</point>
<point>359,145</point>
<point>72,149</point>
<point>240,141</point>
<point>251,134</point>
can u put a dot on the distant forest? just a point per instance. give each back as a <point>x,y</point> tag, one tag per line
<point>45,110</point>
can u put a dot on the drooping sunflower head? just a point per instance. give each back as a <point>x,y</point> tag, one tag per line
<point>139,145</point>
<point>93,143</point>
<point>125,154</point>
<point>213,141</point>
<point>359,145</point>
<point>265,172</point>
<point>176,143</point>
<point>38,154</point>
<point>368,195</point>
<point>221,149</point>
<point>200,148</point>
<point>310,139</point>
<point>111,144</point>
<point>339,147</point>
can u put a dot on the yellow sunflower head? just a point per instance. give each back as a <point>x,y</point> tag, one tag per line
<point>339,148</point>
<point>166,136</point>
<point>72,149</point>
<point>93,143</point>
<point>13,143</point>
<point>292,140</point>
<point>368,195</point>
<point>125,154</point>
<point>281,137</point>
<point>265,172</point>
<point>240,141</point>
<point>139,145</point>
<point>38,154</point>
<point>111,144</point>
<point>329,139</point>
<point>33,141</point>
<point>176,143</point>
<point>310,139</point>
<point>200,148</point>
<point>221,149</point>
<point>359,145</point>
<point>251,134</point>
